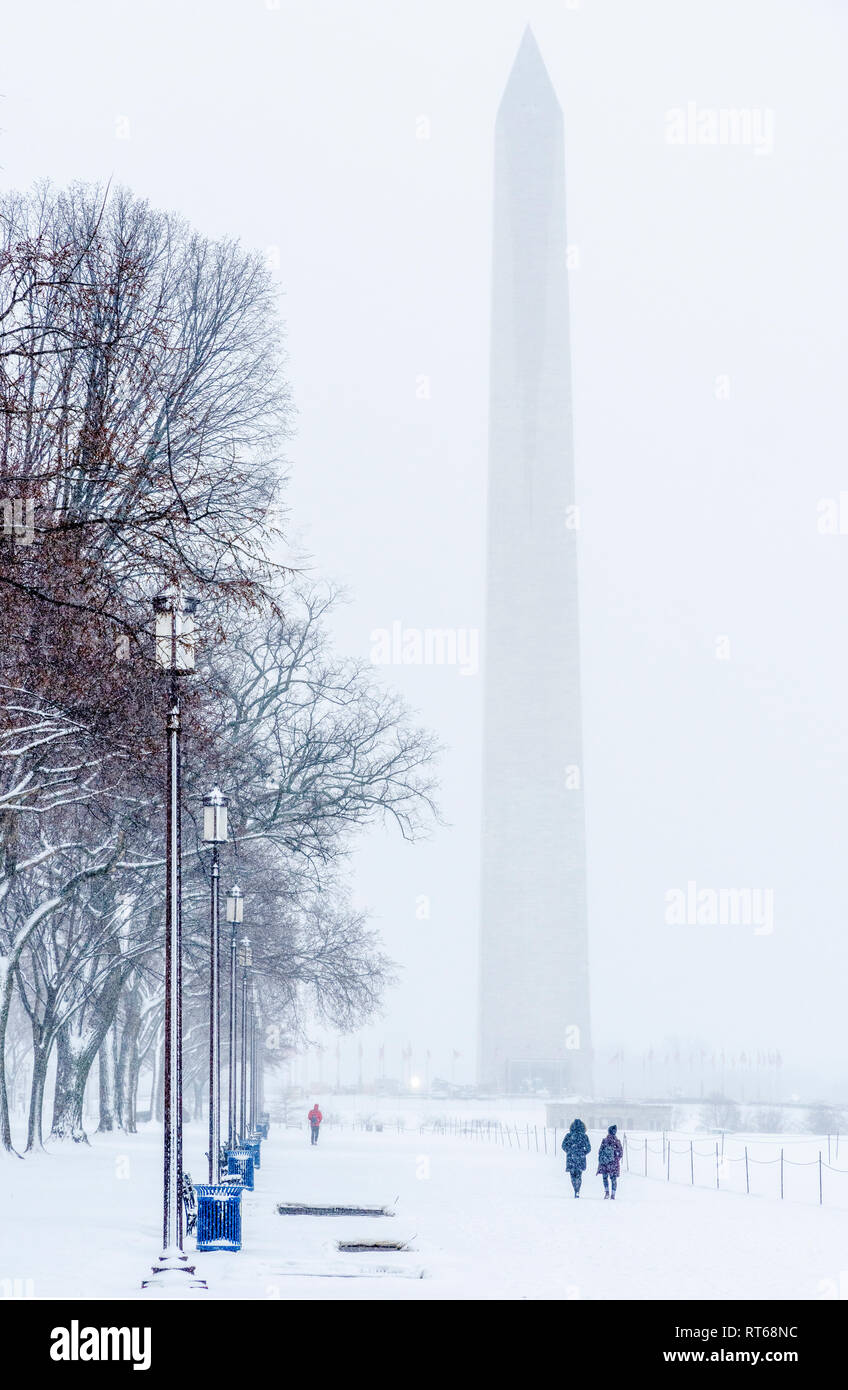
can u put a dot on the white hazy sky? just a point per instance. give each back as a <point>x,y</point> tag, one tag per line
<point>295,127</point>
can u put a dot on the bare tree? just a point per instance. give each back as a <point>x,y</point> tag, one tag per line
<point>142,398</point>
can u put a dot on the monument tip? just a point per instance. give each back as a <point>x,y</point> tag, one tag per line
<point>529,78</point>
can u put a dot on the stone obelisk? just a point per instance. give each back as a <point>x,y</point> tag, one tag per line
<point>534,982</point>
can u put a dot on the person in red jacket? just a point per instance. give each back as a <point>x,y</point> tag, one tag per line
<point>315,1118</point>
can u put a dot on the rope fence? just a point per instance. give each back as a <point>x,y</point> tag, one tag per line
<point>690,1161</point>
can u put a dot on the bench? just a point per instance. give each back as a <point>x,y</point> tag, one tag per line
<point>189,1204</point>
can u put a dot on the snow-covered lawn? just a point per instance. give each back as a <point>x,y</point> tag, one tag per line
<point>483,1221</point>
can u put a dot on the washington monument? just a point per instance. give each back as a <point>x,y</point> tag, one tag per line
<point>534,982</point>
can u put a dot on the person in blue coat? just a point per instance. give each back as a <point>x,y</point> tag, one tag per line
<point>576,1146</point>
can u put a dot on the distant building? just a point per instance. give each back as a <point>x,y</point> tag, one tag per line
<point>600,1114</point>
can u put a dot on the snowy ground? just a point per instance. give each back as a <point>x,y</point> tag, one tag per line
<point>484,1221</point>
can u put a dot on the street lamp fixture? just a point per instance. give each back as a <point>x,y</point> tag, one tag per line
<point>215,818</point>
<point>175,630</point>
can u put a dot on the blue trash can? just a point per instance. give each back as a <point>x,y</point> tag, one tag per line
<point>218,1216</point>
<point>255,1146</point>
<point>240,1161</point>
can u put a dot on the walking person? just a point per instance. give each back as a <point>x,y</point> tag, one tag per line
<point>315,1118</point>
<point>609,1161</point>
<point>575,1146</point>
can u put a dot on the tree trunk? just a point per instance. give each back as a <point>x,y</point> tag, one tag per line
<point>160,1082</point>
<point>40,1061</point>
<point>73,1063</point>
<point>6,982</point>
<point>154,1081</point>
<point>132,1088</point>
<point>106,1058</point>
<point>128,1062</point>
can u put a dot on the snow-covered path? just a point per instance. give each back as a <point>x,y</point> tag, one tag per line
<point>485,1222</point>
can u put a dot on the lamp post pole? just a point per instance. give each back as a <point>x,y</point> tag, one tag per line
<point>214,1035</point>
<point>215,833</point>
<point>245,961</point>
<point>257,1085</point>
<point>174,653</point>
<point>253,1116</point>
<point>235,917</point>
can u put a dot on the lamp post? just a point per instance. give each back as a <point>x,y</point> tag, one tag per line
<point>245,961</point>
<point>260,1063</point>
<point>174,654</point>
<point>252,1116</point>
<point>235,917</point>
<point>255,1062</point>
<point>214,834</point>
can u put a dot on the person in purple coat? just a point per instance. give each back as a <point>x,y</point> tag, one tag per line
<point>609,1161</point>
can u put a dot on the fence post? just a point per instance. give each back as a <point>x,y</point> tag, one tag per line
<point>747,1179</point>
<point>668,1162</point>
<point>820,1179</point>
<point>663,1148</point>
<point>646,1155</point>
<point>536,1133</point>
<point>545,1137</point>
<point>626,1156</point>
<point>527,1136</point>
<point>722,1143</point>
<point>717,1181</point>
<point>692,1162</point>
<point>781,1175</point>
<point>828,1148</point>
<point>517,1140</point>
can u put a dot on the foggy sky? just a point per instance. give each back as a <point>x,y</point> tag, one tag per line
<point>709,358</point>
